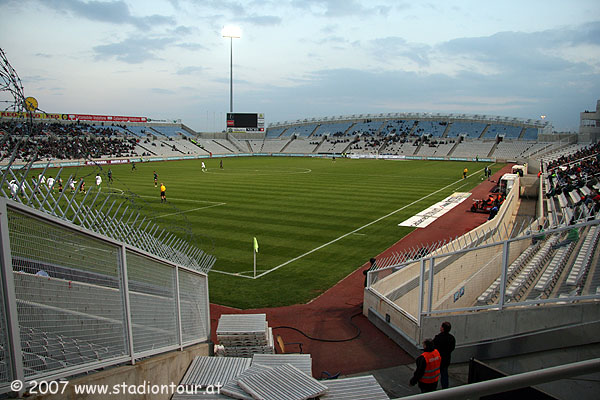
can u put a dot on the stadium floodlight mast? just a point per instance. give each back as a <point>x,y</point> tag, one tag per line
<point>231,32</point>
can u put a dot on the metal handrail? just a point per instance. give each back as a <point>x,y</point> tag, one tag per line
<point>500,385</point>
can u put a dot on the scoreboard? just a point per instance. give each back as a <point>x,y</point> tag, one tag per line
<point>245,122</point>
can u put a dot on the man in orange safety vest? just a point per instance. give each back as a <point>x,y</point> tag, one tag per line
<point>427,373</point>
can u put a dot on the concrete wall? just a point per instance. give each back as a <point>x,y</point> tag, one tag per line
<point>162,369</point>
<point>492,334</point>
<point>474,270</point>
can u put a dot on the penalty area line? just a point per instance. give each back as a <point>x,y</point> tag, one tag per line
<point>187,211</point>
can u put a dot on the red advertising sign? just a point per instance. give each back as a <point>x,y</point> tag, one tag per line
<point>75,117</point>
<point>15,114</point>
<point>103,162</point>
<point>105,118</point>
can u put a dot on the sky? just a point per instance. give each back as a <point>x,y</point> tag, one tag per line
<point>298,59</point>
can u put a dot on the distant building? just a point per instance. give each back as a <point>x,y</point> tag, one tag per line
<point>589,126</point>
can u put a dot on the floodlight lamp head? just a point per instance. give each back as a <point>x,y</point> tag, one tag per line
<point>232,31</point>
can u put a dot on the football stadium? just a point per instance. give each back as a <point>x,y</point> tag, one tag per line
<point>313,258</point>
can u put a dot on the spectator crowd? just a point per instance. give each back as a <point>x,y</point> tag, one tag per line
<point>49,141</point>
<point>577,171</point>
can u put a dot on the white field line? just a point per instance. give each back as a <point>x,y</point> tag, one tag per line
<point>120,192</point>
<point>238,274</point>
<point>211,204</point>
<point>358,229</point>
<point>188,200</point>
<point>260,171</point>
<point>187,211</point>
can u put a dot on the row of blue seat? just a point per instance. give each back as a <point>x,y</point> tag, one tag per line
<point>406,127</point>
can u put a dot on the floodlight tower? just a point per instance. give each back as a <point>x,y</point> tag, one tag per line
<point>232,32</point>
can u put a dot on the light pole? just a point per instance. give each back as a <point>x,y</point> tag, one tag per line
<point>232,32</point>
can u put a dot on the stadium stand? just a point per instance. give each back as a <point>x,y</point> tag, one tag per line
<point>530,134</point>
<point>551,268</point>
<point>169,131</point>
<point>299,131</point>
<point>398,127</point>
<point>468,129</point>
<point>473,149</point>
<point>255,145</point>
<point>56,141</point>
<point>437,148</point>
<point>140,131</point>
<point>370,135</point>
<point>366,127</point>
<point>508,131</point>
<point>275,132</point>
<point>336,145</point>
<point>300,146</point>
<point>433,128</point>
<point>274,145</point>
<point>400,146</point>
<point>335,129</point>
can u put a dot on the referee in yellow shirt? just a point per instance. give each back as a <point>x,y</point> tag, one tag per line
<point>163,196</point>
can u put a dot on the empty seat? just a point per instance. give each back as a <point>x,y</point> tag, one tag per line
<point>33,362</point>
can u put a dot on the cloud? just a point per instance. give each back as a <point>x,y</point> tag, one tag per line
<point>262,20</point>
<point>133,50</point>
<point>116,12</point>
<point>340,8</point>
<point>191,46</point>
<point>35,79</point>
<point>389,49</point>
<point>190,70</point>
<point>520,52</point>
<point>516,92</point>
<point>162,91</point>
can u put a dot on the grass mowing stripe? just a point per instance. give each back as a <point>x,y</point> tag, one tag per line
<point>356,230</point>
<point>290,213</point>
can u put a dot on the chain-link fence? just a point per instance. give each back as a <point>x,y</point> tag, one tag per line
<point>83,301</point>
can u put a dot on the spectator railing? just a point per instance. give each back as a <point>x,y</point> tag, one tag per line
<point>490,277</point>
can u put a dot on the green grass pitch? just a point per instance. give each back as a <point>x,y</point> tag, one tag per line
<point>296,208</point>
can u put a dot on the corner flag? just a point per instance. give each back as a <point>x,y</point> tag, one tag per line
<point>255,245</point>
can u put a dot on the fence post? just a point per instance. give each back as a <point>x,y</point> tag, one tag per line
<point>10,300</point>
<point>126,303</point>
<point>421,289</point>
<point>208,328</point>
<point>178,305</point>
<point>505,248</point>
<point>431,266</point>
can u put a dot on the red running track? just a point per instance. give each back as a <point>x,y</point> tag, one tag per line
<point>330,316</point>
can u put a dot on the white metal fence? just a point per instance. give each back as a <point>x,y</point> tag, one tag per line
<point>555,266</point>
<point>73,301</point>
